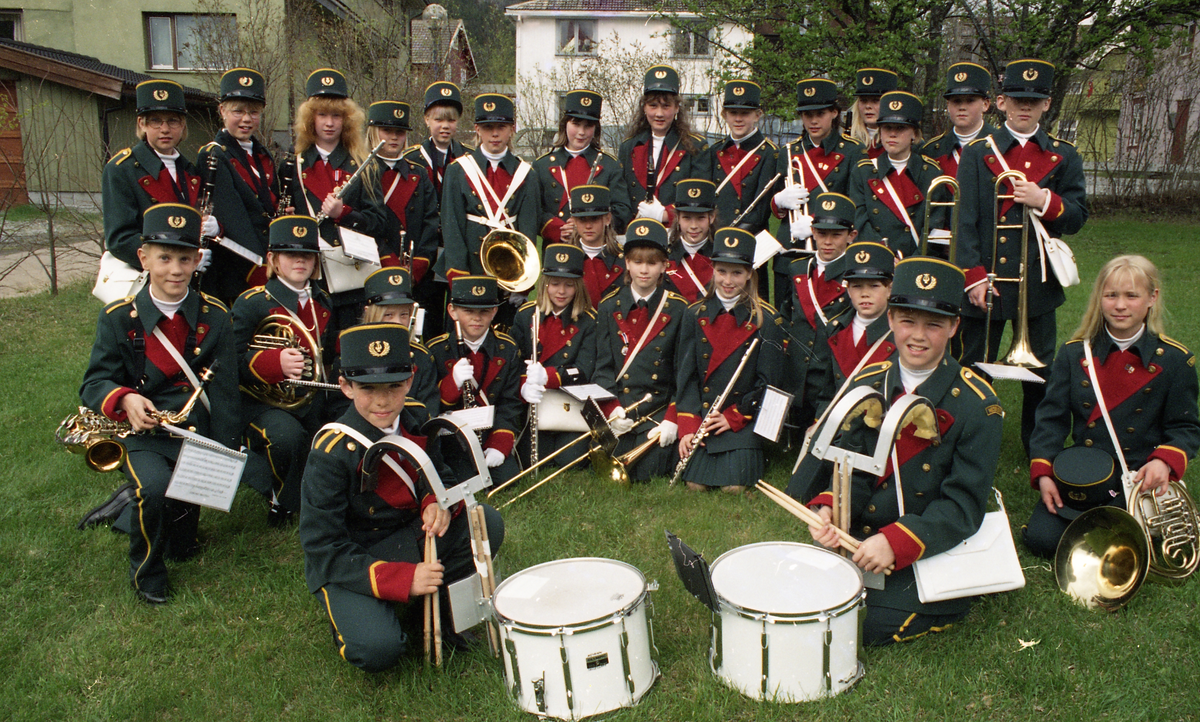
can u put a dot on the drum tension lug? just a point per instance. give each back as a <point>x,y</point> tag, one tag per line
<point>539,693</point>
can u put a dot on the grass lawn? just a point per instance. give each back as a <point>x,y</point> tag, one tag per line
<point>243,639</point>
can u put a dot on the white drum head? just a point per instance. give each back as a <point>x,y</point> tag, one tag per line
<point>785,578</point>
<point>568,592</point>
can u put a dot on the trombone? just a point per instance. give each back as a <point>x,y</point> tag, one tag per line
<point>1021,354</point>
<point>952,184</point>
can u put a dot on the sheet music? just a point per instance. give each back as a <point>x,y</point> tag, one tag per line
<point>772,412</point>
<point>765,248</point>
<point>206,473</point>
<point>359,246</point>
<point>475,419</point>
<point>1010,373</point>
<point>583,392</point>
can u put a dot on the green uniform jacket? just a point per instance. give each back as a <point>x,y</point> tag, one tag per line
<point>946,485</point>
<point>244,209</point>
<point>671,168</point>
<point>425,379</point>
<point>835,158</point>
<point>411,207</point>
<point>364,210</point>
<point>135,179</point>
<point>258,366</point>
<point>721,158</point>
<point>566,348</point>
<point>1150,391</point>
<point>839,356</point>
<point>500,382</point>
<point>1054,164</point>
<point>942,149</point>
<point>462,236</point>
<point>603,170</point>
<point>339,522</point>
<point>422,155</point>
<point>721,340</point>
<point>876,217</point>
<point>127,358</point>
<point>807,348</point>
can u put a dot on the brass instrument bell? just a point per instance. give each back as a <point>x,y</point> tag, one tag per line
<point>511,258</point>
<point>1102,558</point>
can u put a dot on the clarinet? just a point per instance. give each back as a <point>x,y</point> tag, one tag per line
<point>341,189</point>
<point>651,170</point>
<point>712,411</point>
<point>205,206</point>
<point>472,396</point>
<point>285,197</point>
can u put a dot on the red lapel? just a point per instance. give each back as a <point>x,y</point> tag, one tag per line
<point>908,445</point>
<point>848,354</point>
<point>553,336</point>
<point>405,188</point>
<point>634,324</point>
<point>729,158</point>
<point>725,336</point>
<point>391,488</point>
<point>700,265</point>
<point>664,172</point>
<point>638,158</point>
<point>906,190</point>
<point>576,174</point>
<point>823,163</point>
<point>1120,376</point>
<point>319,180</point>
<point>825,290</point>
<point>498,179</point>
<point>1031,160</point>
<point>305,315</point>
<point>176,330</point>
<point>948,164</point>
<point>493,370</point>
<point>598,277</point>
<point>162,188</point>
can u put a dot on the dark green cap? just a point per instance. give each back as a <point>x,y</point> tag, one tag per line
<point>901,108</point>
<point>376,353</point>
<point>243,84</point>
<point>875,81</point>
<point>590,201</point>
<point>171,224</point>
<point>661,79</point>
<point>815,94</point>
<point>155,95</point>
<point>869,260</point>
<point>928,284</point>
<point>475,292</point>
<point>645,232</point>
<point>733,245</point>
<point>1027,79</point>
<point>389,287</point>
<point>561,260</point>
<point>832,212</point>
<point>1083,475</point>
<point>297,234</point>
<point>695,195</point>
<point>326,83</point>
<point>389,114</point>
<point>968,79</point>
<point>743,95</point>
<point>494,108</point>
<point>584,105</point>
<point>443,92</point>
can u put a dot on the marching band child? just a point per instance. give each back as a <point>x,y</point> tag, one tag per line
<point>389,300</point>
<point>725,322</point>
<point>244,188</point>
<point>1053,191</point>
<point>291,299</point>
<point>641,347</point>
<point>364,547</point>
<point>742,164</point>
<point>870,85</point>
<point>411,222</point>
<point>566,345</point>
<point>604,269</point>
<point>889,191</point>
<point>945,486</point>
<point>577,159</point>
<point>659,148</point>
<point>1148,382</point>
<point>483,363</point>
<point>689,270</point>
<point>149,353</point>
<point>968,93</point>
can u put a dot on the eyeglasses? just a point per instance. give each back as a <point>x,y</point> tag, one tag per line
<point>156,122</point>
<point>252,114</point>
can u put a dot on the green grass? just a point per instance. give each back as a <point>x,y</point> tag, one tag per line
<point>244,640</point>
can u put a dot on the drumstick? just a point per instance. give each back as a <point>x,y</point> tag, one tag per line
<point>805,514</point>
<point>488,582</point>
<point>437,608</point>
<point>428,611</point>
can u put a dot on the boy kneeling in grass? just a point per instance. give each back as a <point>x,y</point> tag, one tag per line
<point>363,547</point>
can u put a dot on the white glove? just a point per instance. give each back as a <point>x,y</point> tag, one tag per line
<point>532,393</point>
<point>517,299</point>
<point>205,260</point>
<point>492,458</point>
<point>619,423</point>
<point>666,432</point>
<point>535,373</point>
<point>791,198</point>
<point>802,228</point>
<point>210,228</point>
<point>462,371</point>
<point>653,210</point>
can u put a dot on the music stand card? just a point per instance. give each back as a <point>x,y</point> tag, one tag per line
<point>765,248</point>
<point>1009,373</point>
<point>206,474</point>
<point>468,606</point>
<point>693,572</point>
<point>583,392</point>
<point>359,246</point>
<point>480,417</point>
<point>771,413</point>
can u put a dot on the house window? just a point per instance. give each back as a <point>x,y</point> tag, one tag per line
<point>692,41</point>
<point>1075,88</point>
<point>576,37</point>
<point>1137,122</point>
<point>1068,129</point>
<point>700,104</point>
<point>175,42</point>
<point>10,24</point>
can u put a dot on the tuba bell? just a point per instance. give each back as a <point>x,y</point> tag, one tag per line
<point>511,258</point>
<point>277,331</point>
<point>1102,558</point>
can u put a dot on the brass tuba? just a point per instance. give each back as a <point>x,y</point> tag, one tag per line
<point>277,331</point>
<point>511,258</point>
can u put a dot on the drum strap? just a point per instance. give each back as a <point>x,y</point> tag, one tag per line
<point>1126,475</point>
<point>498,218</point>
<point>366,443</point>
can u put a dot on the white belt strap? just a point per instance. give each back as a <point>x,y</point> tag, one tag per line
<point>366,443</point>
<point>813,295</point>
<point>903,211</point>
<point>178,358</point>
<point>738,167</point>
<point>645,335</point>
<point>1126,475</point>
<point>813,169</point>
<point>498,218</point>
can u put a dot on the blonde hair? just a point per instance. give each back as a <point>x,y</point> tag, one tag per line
<point>610,239</point>
<point>579,306</point>
<point>443,111</point>
<point>373,136</point>
<point>748,298</point>
<point>242,104</point>
<point>646,254</point>
<point>353,122</point>
<point>374,312</point>
<point>1135,268</point>
<point>140,130</point>
<point>858,129</point>
<point>272,255</point>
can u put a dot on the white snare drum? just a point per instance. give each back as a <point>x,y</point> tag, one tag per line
<point>576,636</point>
<point>789,621</point>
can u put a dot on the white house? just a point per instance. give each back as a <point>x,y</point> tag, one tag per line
<point>606,46</point>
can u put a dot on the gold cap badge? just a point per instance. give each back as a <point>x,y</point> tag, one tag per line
<point>828,205</point>
<point>447,92</point>
<point>660,74</point>
<point>960,77</point>
<point>176,221</point>
<point>489,107</point>
<point>562,257</point>
<point>398,113</point>
<point>1030,74</point>
<point>161,95</point>
<point>299,231</point>
<point>379,349</point>
<point>810,92</point>
<point>327,80</point>
<point>926,282</point>
<point>642,231</point>
<point>245,81</point>
<point>585,101</point>
<point>693,192</point>
<point>478,290</point>
<point>868,80</point>
<point>739,90</point>
<point>895,105</point>
<point>731,242</point>
<point>862,257</point>
<point>396,279</point>
<point>587,197</point>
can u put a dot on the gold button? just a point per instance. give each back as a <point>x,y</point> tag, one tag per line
<point>706,389</point>
<point>371,510</point>
<point>350,446</point>
<point>654,377</point>
<point>626,377</point>
<point>955,392</point>
<point>1084,383</point>
<point>871,508</point>
<point>192,429</point>
<point>1129,430</point>
<point>925,467</point>
<point>1087,405</point>
<point>1087,442</point>
<point>1091,424</point>
<point>884,485</point>
<point>866,530</point>
<point>1137,411</point>
<point>703,340</point>
<point>625,390</point>
<point>705,404</point>
<point>1003,260</point>
<point>133,313</point>
<point>1146,390</point>
<point>704,355</point>
<point>1159,352</point>
<point>196,351</point>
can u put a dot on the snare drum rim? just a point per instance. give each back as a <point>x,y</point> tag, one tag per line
<point>586,625</point>
<point>856,599</point>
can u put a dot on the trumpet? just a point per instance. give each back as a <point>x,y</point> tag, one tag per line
<point>794,215</point>
<point>952,204</point>
<point>97,437</point>
<point>341,189</point>
<point>1021,354</point>
<point>277,331</point>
